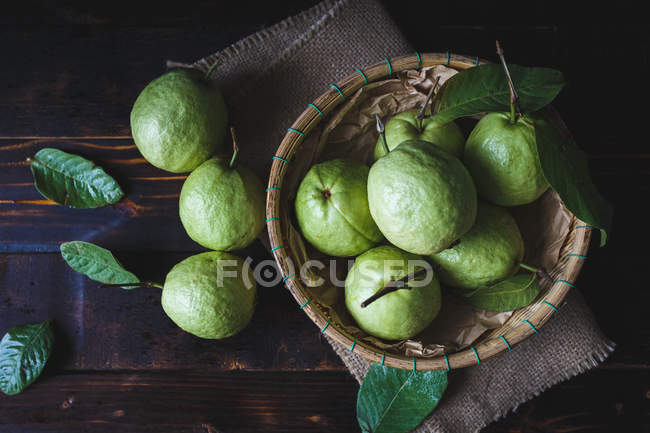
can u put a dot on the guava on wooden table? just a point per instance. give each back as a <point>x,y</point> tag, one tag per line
<point>222,205</point>
<point>211,295</point>
<point>179,120</point>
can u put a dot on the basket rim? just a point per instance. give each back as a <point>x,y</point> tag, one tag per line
<point>314,113</point>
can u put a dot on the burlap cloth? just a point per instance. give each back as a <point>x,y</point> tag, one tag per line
<point>269,77</point>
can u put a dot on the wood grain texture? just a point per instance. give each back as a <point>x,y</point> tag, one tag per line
<point>141,402</point>
<point>50,90</point>
<point>598,402</point>
<point>123,59</point>
<point>146,219</point>
<point>116,329</point>
<point>93,92</point>
<point>135,333</point>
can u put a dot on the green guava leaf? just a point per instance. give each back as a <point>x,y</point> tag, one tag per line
<point>566,170</point>
<point>72,180</point>
<point>24,351</point>
<point>96,263</point>
<point>485,88</point>
<point>392,400</point>
<point>506,295</point>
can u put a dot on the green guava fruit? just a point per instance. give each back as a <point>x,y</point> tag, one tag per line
<point>502,158</point>
<point>332,208</point>
<point>491,251</point>
<point>179,120</point>
<point>222,208</point>
<point>210,295</point>
<point>421,197</point>
<point>405,126</point>
<point>397,315</point>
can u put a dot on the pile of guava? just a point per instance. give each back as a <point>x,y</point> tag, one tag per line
<point>430,211</point>
<point>179,123</point>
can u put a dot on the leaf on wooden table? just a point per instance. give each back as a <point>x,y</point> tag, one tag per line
<point>506,295</point>
<point>72,180</point>
<point>24,351</point>
<point>485,88</point>
<point>392,400</point>
<point>566,170</point>
<point>96,263</point>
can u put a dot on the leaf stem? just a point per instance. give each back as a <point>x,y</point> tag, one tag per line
<point>528,268</point>
<point>235,147</point>
<point>426,103</point>
<point>393,286</point>
<point>210,70</point>
<point>140,284</point>
<point>382,133</point>
<point>514,98</point>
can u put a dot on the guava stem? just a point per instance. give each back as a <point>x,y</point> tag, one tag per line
<point>426,103</point>
<point>382,133</point>
<point>514,98</point>
<point>140,284</point>
<point>393,286</point>
<point>235,147</point>
<point>541,273</point>
<point>210,70</point>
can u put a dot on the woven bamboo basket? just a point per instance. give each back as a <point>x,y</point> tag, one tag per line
<point>521,325</point>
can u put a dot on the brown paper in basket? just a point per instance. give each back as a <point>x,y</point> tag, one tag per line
<point>349,132</point>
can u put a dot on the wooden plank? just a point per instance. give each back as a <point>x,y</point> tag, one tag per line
<point>238,402</point>
<point>146,219</point>
<point>228,403</point>
<point>164,15</point>
<point>91,95</point>
<point>81,79</point>
<point>49,93</point>
<point>599,401</point>
<point>149,222</point>
<point>93,76</point>
<point>116,329</point>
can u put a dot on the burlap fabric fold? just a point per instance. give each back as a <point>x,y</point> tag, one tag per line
<point>269,77</point>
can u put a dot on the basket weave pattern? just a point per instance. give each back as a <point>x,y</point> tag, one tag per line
<point>522,324</point>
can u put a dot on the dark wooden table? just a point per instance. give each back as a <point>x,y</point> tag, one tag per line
<point>68,78</point>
